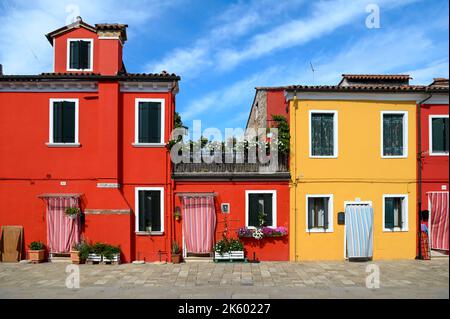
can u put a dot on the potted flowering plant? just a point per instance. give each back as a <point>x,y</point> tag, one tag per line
<point>72,212</point>
<point>232,249</point>
<point>36,252</point>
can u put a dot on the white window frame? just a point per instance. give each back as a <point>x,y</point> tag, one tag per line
<point>335,133</point>
<point>405,134</point>
<point>274,206</point>
<point>405,213</point>
<point>430,135</point>
<point>91,60</point>
<point>136,123</point>
<point>330,213</point>
<point>136,210</point>
<point>50,133</point>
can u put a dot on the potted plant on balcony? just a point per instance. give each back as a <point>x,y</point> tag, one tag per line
<point>72,212</point>
<point>79,253</point>
<point>36,252</point>
<point>176,255</point>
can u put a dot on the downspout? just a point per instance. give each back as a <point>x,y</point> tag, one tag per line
<point>419,172</point>
<point>295,175</point>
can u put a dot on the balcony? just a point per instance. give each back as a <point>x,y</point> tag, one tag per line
<point>241,168</point>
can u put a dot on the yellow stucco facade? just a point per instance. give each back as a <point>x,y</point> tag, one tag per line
<point>358,173</point>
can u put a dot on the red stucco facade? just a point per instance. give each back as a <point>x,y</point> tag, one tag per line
<point>106,167</point>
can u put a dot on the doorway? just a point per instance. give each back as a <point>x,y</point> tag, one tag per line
<point>358,242</point>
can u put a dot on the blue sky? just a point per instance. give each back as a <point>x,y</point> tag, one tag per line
<point>223,49</point>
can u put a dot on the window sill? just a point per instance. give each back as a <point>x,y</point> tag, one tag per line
<point>395,230</point>
<point>396,156</point>
<point>438,154</point>
<point>146,233</point>
<point>319,230</point>
<point>63,144</point>
<point>148,144</point>
<point>325,156</point>
<point>79,70</point>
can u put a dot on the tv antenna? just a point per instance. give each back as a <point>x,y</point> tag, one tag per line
<point>313,71</point>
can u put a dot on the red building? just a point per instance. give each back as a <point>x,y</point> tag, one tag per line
<point>93,136</point>
<point>433,169</point>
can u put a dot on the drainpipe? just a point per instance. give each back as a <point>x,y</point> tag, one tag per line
<point>295,102</point>
<point>419,173</point>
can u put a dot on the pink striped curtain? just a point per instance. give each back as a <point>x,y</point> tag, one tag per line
<point>199,223</point>
<point>62,231</point>
<point>439,220</point>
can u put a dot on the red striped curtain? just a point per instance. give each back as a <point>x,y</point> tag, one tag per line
<point>199,223</point>
<point>439,220</point>
<point>62,231</point>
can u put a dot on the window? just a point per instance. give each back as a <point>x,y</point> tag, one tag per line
<point>323,134</point>
<point>261,208</point>
<point>79,54</point>
<point>395,212</point>
<point>63,122</point>
<point>149,122</point>
<point>319,213</point>
<point>394,133</point>
<point>149,210</point>
<point>439,134</point>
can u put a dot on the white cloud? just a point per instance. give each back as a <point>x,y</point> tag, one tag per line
<point>395,51</point>
<point>23,46</point>
<point>236,21</point>
<point>326,17</point>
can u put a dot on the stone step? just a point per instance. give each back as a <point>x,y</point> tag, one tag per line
<point>438,254</point>
<point>60,260</point>
<point>206,259</point>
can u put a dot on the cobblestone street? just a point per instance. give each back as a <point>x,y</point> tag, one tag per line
<point>398,279</point>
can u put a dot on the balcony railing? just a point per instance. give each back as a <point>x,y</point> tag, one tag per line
<point>245,166</point>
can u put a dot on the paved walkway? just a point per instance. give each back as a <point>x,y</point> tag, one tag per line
<point>398,279</point>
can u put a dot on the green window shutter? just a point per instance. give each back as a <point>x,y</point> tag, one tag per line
<point>142,210</point>
<point>149,122</point>
<point>268,209</point>
<point>253,207</point>
<point>392,134</point>
<point>389,213</point>
<point>68,122</point>
<point>316,141</point>
<point>326,212</point>
<point>155,210</point>
<point>440,134</point>
<point>84,53</point>
<point>322,134</point>
<point>74,61</point>
<point>310,212</point>
<point>143,123</point>
<point>57,122</point>
<point>155,122</point>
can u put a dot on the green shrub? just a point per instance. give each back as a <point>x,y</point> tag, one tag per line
<point>83,249</point>
<point>236,245</point>
<point>36,245</point>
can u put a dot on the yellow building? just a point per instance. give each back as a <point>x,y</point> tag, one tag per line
<point>353,157</point>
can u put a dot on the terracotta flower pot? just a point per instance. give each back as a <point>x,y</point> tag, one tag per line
<point>75,257</point>
<point>36,256</point>
<point>176,258</point>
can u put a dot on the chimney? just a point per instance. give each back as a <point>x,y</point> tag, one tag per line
<point>111,38</point>
<point>1,69</point>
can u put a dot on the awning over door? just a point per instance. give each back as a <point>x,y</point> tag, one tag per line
<point>199,221</point>
<point>439,218</point>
